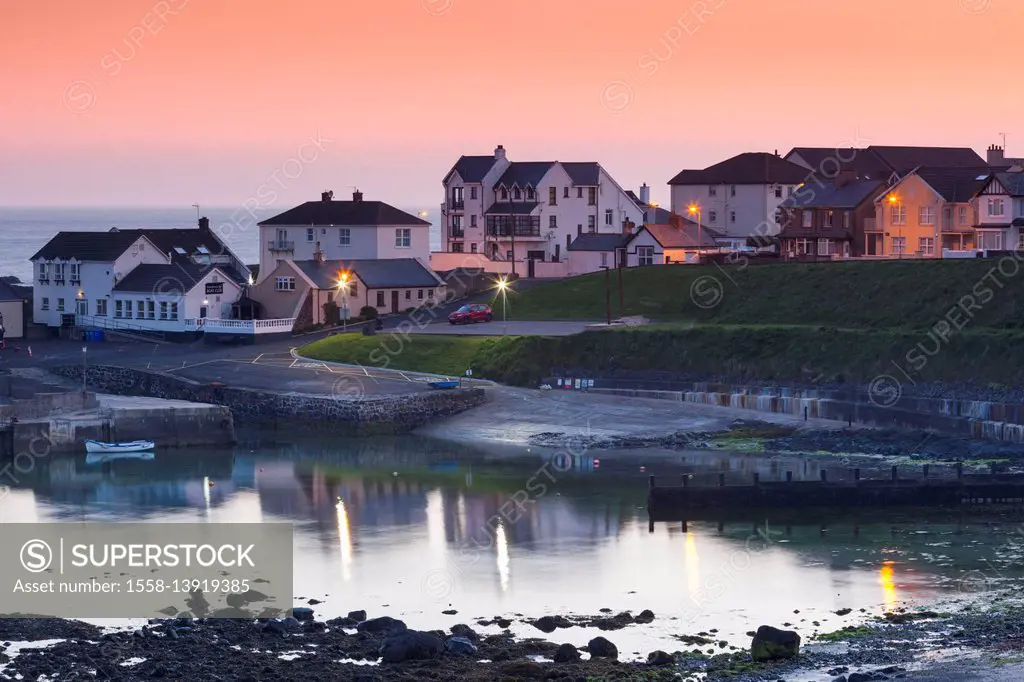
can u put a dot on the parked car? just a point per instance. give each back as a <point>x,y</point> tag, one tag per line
<point>478,312</point>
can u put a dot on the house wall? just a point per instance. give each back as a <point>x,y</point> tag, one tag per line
<point>582,262</point>
<point>471,207</point>
<point>97,281</point>
<point>643,238</point>
<point>279,304</point>
<point>913,194</point>
<point>14,322</point>
<point>189,304</point>
<point>754,206</point>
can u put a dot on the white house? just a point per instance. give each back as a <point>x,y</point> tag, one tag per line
<point>1000,211</point>
<point>154,280</point>
<point>342,230</point>
<point>529,210</point>
<point>738,197</point>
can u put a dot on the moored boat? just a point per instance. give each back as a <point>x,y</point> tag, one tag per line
<point>97,446</point>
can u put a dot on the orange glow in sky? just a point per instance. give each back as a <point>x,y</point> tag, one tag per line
<point>172,102</point>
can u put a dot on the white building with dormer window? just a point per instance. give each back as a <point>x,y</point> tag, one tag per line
<point>529,210</point>
<point>999,207</point>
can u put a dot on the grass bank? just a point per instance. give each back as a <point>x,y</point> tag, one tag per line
<point>450,355</point>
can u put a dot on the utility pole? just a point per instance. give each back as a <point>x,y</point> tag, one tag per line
<point>622,311</point>
<point>607,296</point>
<point>196,207</point>
<point>512,232</point>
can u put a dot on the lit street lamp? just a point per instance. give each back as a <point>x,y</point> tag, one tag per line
<point>694,209</point>
<point>343,290</point>
<point>503,290</point>
<point>895,201</point>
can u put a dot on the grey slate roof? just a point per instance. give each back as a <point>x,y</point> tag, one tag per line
<point>509,207</point>
<point>472,168</point>
<point>848,196</point>
<point>384,273</point>
<point>344,213</point>
<point>598,242</point>
<point>585,173</point>
<point>863,162</point>
<point>750,168</point>
<point>103,247</point>
<point>523,173</point>
<point>162,278</point>
<point>657,216</point>
<point>904,159</point>
<point>7,292</point>
<point>955,184</point>
<point>1013,182</point>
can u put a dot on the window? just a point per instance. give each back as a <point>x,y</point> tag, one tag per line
<point>712,216</point>
<point>591,223</point>
<point>517,194</point>
<point>579,192</point>
<point>995,207</point>
<point>345,236</point>
<point>947,218</point>
<point>101,307</point>
<point>825,247</point>
<point>530,196</point>
<point>565,194</point>
<point>380,299</point>
<point>408,294</point>
<point>1020,241</point>
<point>504,194</point>
<point>472,247</point>
<point>163,310</point>
<point>778,191</point>
<point>898,214</point>
<point>310,234</point>
<point>789,191</point>
<point>430,294</point>
<point>140,310</point>
<point>827,215</point>
<point>803,247</point>
<point>174,310</point>
<point>353,288</point>
<point>552,221</point>
<point>472,221</point>
<point>552,196</point>
<point>151,310</point>
<point>847,220</point>
<point>60,305</point>
<point>76,273</point>
<point>58,273</point>
<point>591,196</point>
<point>457,247</point>
<point>456,225</point>
<point>899,245</point>
<point>645,255</point>
<point>128,309</point>
<point>926,245</point>
<point>808,220</point>
<point>44,272</point>
<point>284,284</point>
<point>45,303</point>
<point>403,237</point>
<point>990,240</point>
<point>926,215</point>
<point>712,191</point>
<point>472,192</point>
<point>419,295</point>
<point>962,218</point>
<point>608,216</point>
<point>604,259</point>
<point>732,190</point>
<point>732,216</point>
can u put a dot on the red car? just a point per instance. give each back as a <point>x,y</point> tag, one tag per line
<point>478,312</point>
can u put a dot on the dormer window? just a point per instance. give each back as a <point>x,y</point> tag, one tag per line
<point>504,194</point>
<point>76,276</point>
<point>529,194</point>
<point>517,194</point>
<point>44,272</point>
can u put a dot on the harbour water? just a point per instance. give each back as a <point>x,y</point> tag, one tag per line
<point>411,527</point>
<point>25,230</point>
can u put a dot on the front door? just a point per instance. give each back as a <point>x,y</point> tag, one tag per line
<point>529,267</point>
<point>82,307</point>
<point>202,312</point>
<point>394,301</point>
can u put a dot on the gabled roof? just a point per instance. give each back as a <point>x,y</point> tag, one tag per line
<point>191,241</point>
<point>472,169</point>
<point>103,247</point>
<point>328,213</point>
<point>849,196</point>
<point>7,292</point>
<point>823,160</point>
<point>1012,182</point>
<point>636,200</point>
<point>384,273</point>
<point>956,185</point>
<point>585,173</point>
<point>157,278</point>
<point>680,237</point>
<point>523,173</point>
<point>905,159</point>
<point>749,168</point>
<point>594,241</point>
<point>510,207</point>
<point>655,215</point>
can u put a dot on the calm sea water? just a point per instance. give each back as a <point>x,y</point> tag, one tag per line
<point>25,230</point>
<point>404,527</point>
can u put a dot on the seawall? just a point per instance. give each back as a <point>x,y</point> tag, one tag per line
<point>352,416</point>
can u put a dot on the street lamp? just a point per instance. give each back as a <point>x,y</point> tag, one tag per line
<point>343,290</point>
<point>895,201</point>
<point>85,390</point>
<point>694,209</point>
<point>503,290</point>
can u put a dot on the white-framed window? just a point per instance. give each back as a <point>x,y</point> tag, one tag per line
<point>591,196</point>
<point>163,310</point>
<point>472,247</point>
<point>645,255</point>
<point>552,221</point>
<point>778,191</point>
<point>732,216</point>
<point>591,223</point>
<point>732,190</point>
<point>101,307</point>
<point>430,294</point>
<point>517,194</point>
<point>310,234</point>
<point>174,310</point>
<point>60,305</point>
<point>284,284</point>
<point>990,239</point>
<point>403,237</point>
<point>419,294</point>
<point>827,218</point>
<point>579,192</point>
<point>926,215</point>
<point>504,194</point>
<point>808,219</point>
<point>151,310</point>
<point>899,245</point>
<point>552,196</point>
<point>472,221</point>
<point>947,217</point>
<point>58,273</point>
<point>608,216</point>
<point>962,218</point>
<point>44,303</point>
<point>712,216</point>
<point>803,246</point>
<point>345,236</point>
<point>825,247</point>
<point>604,259</point>
<point>380,295</point>
<point>565,194</point>
<point>712,191</point>
<point>128,309</point>
<point>44,272</point>
<point>530,196</point>
<point>789,191</point>
<point>847,220</point>
<point>926,245</point>
<point>76,272</point>
<point>995,207</point>
<point>1020,240</point>
<point>898,214</point>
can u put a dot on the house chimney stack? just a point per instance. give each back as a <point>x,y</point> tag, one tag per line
<point>499,152</point>
<point>204,223</point>
<point>996,156</point>
<point>327,196</point>
<point>628,226</point>
<point>357,196</point>
<point>318,255</point>
<point>645,194</point>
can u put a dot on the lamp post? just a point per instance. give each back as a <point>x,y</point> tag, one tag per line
<point>503,290</point>
<point>895,201</point>
<point>343,290</point>
<point>607,296</point>
<point>85,374</point>
<point>694,209</point>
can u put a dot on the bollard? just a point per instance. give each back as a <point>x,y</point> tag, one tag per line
<point>805,413</point>
<point>925,472</point>
<point>894,473</point>
<point>789,477</point>
<point>856,474</point>
<point>686,482</point>
<point>757,479</point>
<point>824,476</point>
<point>650,481</point>
<point>721,480</point>
<point>959,470</point>
<point>684,526</point>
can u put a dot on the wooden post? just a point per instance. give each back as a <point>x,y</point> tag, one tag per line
<point>824,476</point>
<point>721,480</point>
<point>757,479</point>
<point>894,475</point>
<point>789,477</point>
<point>650,482</point>
<point>856,474</point>
<point>650,525</point>
<point>925,472</point>
<point>959,470</point>
<point>686,482</point>
<point>684,526</point>
<point>805,413</point>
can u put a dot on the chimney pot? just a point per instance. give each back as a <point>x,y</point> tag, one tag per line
<point>357,196</point>
<point>327,196</point>
<point>204,223</point>
<point>499,152</point>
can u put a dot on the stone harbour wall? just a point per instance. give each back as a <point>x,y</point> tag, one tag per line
<point>349,415</point>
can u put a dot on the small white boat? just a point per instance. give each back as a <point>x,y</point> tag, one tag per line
<point>97,446</point>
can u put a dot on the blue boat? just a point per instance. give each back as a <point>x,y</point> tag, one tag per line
<point>443,384</point>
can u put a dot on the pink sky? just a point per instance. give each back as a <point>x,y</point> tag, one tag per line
<point>136,102</point>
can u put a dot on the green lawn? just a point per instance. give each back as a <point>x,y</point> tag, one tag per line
<point>450,355</point>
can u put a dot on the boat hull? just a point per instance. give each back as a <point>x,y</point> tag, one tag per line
<point>99,447</point>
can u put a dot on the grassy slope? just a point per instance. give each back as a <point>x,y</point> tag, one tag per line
<point>424,353</point>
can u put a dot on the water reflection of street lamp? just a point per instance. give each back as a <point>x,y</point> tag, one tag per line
<point>503,290</point>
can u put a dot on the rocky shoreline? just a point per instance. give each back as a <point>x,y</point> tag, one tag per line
<point>383,649</point>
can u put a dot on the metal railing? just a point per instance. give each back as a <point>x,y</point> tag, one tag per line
<point>280,245</point>
<point>209,324</point>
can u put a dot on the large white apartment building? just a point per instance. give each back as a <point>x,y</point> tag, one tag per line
<point>530,210</point>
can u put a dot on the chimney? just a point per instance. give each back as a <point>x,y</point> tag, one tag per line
<point>995,156</point>
<point>357,196</point>
<point>844,177</point>
<point>676,221</point>
<point>776,152</point>
<point>499,152</point>
<point>204,223</point>
<point>645,194</point>
<point>628,226</point>
<point>318,255</point>
<point>327,196</point>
